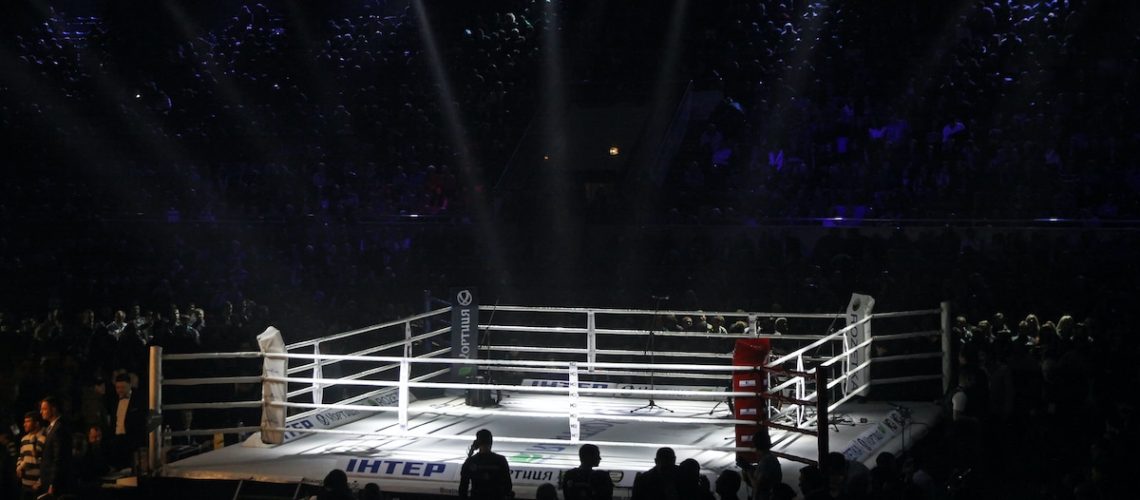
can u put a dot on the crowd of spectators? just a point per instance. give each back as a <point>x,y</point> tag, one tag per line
<point>86,362</point>
<point>997,110</point>
<point>254,120</point>
<point>1039,399</point>
<point>993,110</point>
<point>265,170</point>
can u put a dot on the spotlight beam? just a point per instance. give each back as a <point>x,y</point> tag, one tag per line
<point>486,231</point>
<point>645,190</point>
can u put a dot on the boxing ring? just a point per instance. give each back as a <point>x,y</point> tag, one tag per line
<point>399,403</point>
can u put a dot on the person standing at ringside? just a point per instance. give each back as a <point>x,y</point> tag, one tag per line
<point>584,482</point>
<point>56,476</point>
<point>485,472</point>
<point>659,482</point>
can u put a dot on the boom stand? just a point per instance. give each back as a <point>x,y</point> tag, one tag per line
<point>727,400</point>
<point>653,359</point>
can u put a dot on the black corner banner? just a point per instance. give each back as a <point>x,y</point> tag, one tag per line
<point>464,330</point>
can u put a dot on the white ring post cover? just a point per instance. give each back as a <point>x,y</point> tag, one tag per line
<point>272,417</point>
<point>858,308</point>
<point>318,373</point>
<point>575,425</point>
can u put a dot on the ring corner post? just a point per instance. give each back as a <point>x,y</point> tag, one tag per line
<point>274,389</point>
<point>947,347</point>
<point>591,341</point>
<point>821,418</point>
<point>154,402</point>
<point>405,379</point>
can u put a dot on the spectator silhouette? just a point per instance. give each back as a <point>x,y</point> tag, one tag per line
<point>783,492</point>
<point>335,487</point>
<point>659,482</point>
<point>886,480</point>
<point>585,482</point>
<point>814,484</point>
<point>766,473</point>
<point>546,491</point>
<point>485,474</point>
<point>849,478</point>
<point>691,484</point>
<point>728,484</point>
<point>371,491</point>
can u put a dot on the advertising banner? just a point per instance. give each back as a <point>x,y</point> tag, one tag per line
<point>464,331</point>
<point>872,439</point>
<point>535,382</point>
<point>331,418</point>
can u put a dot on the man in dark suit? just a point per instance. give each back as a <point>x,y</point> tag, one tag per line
<point>585,482</point>
<point>485,472</point>
<point>55,469</point>
<point>128,418</point>
<point>658,483</point>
